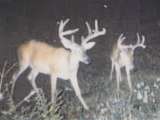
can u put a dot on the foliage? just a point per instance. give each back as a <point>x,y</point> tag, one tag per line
<point>37,108</point>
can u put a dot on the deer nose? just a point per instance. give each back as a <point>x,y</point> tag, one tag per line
<point>88,60</point>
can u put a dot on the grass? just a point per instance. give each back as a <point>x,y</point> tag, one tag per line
<point>143,104</point>
<point>37,108</point>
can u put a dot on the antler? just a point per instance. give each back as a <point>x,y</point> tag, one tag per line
<point>65,41</point>
<point>120,44</point>
<point>139,43</point>
<point>93,33</point>
<point>120,40</point>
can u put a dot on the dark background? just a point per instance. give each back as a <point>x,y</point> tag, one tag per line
<point>22,20</point>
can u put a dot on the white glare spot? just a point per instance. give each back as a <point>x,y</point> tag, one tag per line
<point>105,6</point>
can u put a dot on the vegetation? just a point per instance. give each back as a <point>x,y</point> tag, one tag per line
<point>37,108</point>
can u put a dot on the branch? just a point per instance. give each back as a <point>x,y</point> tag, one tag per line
<point>26,99</point>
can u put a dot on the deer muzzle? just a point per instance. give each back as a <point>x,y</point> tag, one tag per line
<point>87,60</point>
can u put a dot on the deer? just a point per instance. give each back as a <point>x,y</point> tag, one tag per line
<point>58,62</point>
<point>122,56</point>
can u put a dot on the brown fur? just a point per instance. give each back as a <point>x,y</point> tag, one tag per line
<point>36,52</point>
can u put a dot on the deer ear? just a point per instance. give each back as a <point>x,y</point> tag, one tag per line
<point>89,45</point>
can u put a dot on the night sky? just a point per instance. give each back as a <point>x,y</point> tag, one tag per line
<point>25,19</point>
<point>58,9</point>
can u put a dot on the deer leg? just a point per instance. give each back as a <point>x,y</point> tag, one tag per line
<point>15,76</point>
<point>118,74</point>
<point>129,78</point>
<point>32,79</point>
<point>111,72</point>
<point>75,85</point>
<point>21,69</point>
<point>53,89</point>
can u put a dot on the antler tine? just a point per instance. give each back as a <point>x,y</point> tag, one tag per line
<point>62,24</point>
<point>89,28</point>
<point>93,33</point>
<point>96,25</point>
<point>139,43</point>
<point>73,38</point>
<point>143,40</point>
<point>138,38</point>
<point>97,28</point>
<point>121,38</point>
<point>67,43</point>
<point>121,35</point>
<point>61,28</point>
<point>70,31</point>
<point>65,22</point>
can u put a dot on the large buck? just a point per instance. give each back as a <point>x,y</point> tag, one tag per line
<point>57,62</point>
<point>122,56</point>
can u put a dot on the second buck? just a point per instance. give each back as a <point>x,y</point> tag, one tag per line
<point>122,56</point>
<point>57,62</point>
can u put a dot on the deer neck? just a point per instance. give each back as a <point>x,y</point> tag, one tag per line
<point>74,62</point>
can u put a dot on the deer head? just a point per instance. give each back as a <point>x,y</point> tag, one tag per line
<point>127,51</point>
<point>79,51</point>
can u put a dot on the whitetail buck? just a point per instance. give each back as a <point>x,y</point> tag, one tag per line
<point>122,56</point>
<point>57,62</point>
